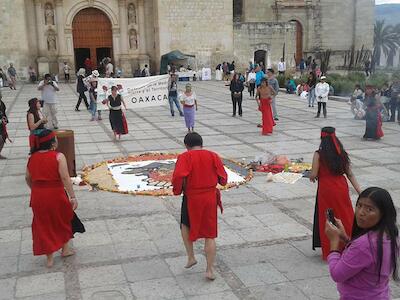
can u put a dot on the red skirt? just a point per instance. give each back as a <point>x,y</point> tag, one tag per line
<point>268,122</point>
<point>332,193</point>
<point>202,210</point>
<point>52,216</point>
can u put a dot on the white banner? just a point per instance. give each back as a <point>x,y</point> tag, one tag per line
<point>137,92</point>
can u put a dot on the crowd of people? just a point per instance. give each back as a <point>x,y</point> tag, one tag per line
<point>387,100</point>
<point>360,244</point>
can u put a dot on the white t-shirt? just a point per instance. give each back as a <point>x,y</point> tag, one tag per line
<point>66,69</point>
<point>48,92</point>
<point>251,76</point>
<point>281,66</point>
<point>109,68</point>
<point>188,100</point>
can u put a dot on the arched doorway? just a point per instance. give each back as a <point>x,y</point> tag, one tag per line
<point>92,36</point>
<point>299,41</point>
<point>260,56</point>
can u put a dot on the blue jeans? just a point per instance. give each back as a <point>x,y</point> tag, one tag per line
<point>93,109</point>
<point>311,97</point>
<point>172,100</point>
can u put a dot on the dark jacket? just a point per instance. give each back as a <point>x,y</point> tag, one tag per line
<point>236,86</point>
<point>3,132</point>
<point>80,86</point>
<point>312,82</point>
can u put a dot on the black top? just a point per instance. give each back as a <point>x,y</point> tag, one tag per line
<point>386,93</point>
<point>236,86</point>
<point>115,102</point>
<point>36,119</point>
<point>312,81</point>
<point>80,86</point>
<point>3,111</point>
<point>370,101</point>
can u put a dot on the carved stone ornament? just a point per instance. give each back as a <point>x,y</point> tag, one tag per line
<point>49,14</point>
<point>131,14</point>
<point>51,41</point>
<point>133,42</point>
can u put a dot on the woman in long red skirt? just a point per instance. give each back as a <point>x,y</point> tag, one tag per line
<point>264,100</point>
<point>47,176</point>
<point>330,165</point>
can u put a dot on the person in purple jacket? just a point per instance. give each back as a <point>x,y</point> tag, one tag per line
<point>363,269</point>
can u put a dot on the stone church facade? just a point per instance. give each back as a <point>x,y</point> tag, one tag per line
<point>45,33</point>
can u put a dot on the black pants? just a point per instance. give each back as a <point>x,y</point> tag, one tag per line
<point>252,87</point>
<point>323,105</point>
<point>393,107</point>
<point>66,76</point>
<point>2,142</point>
<point>82,96</point>
<point>237,101</point>
<point>184,213</point>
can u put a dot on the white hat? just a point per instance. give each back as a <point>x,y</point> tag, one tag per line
<point>323,77</point>
<point>95,73</point>
<point>81,71</point>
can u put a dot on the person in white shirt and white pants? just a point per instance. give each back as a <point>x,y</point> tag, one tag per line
<point>49,88</point>
<point>321,94</point>
<point>281,67</point>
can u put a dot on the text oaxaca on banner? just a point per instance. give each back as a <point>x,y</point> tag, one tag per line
<point>136,92</point>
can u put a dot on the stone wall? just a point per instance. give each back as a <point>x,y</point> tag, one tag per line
<point>203,28</point>
<point>199,27</point>
<point>268,36</point>
<point>327,24</point>
<point>365,20</point>
<point>344,23</point>
<point>258,11</point>
<point>14,45</point>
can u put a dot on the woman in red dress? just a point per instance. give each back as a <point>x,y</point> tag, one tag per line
<point>47,176</point>
<point>196,175</point>
<point>264,100</point>
<point>330,164</point>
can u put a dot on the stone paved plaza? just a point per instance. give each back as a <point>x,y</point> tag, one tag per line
<point>132,248</point>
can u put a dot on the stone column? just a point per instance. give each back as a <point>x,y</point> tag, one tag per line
<point>123,25</point>
<point>42,47</point>
<point>60,27</point>
<point>143,57</point>
<point>62,46</point>
<point>42,59</point>
<point>124,59</point>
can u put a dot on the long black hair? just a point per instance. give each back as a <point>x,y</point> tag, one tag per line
<point>338,162</point>
<point>44,145</point>
<point>386,225</point>
<point>33,110</point>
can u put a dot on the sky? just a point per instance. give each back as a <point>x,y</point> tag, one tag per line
<point>377,2</point>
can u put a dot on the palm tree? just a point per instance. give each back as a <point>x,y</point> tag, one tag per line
<point>394,51</point>
<point>385,40</point>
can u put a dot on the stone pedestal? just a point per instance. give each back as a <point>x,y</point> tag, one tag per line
<point>70,60</point>
<point>43,66</point>
<point>143,60</point>
<point>125,64</point>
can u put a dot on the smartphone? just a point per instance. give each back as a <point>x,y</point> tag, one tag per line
<point>330,216</point>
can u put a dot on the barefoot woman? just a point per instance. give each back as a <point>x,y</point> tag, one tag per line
<point>197,173</point>
<point>47,176</point>
<point>264,100</point>
<point>117,117</point>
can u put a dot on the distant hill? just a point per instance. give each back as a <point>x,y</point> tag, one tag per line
<point>388,12</point>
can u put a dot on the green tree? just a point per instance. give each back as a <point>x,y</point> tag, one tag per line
<point>385,40</point>
<point>394,51</point>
